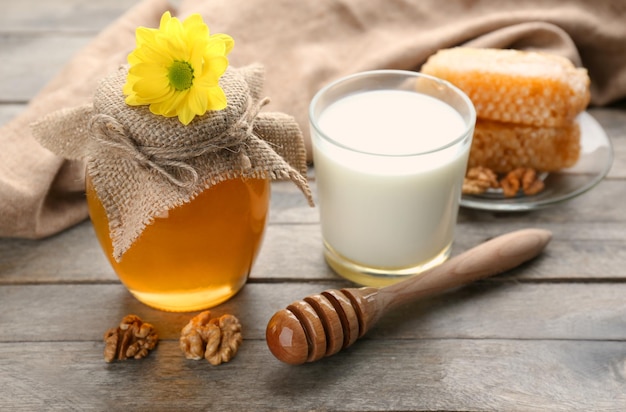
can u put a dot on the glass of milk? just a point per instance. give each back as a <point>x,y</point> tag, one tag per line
<point>390,153</point>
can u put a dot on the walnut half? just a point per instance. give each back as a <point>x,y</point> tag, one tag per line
<point>478,179</point>
<point>217,340</point>
<point>524,178</point>
<point>133,338</point>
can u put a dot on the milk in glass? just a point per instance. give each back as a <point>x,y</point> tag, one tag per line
<point>389,166</point>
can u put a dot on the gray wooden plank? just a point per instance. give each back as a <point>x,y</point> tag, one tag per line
<point>486,310</point>
<point>288,206</point>
<point>9,111</point>
<point>489,375</point>
<point>584,250</point>
<point>74,255</point>
<point>60,15</point>
<point>22,54</point>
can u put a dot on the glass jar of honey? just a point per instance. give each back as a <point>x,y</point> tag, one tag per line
<point>180,209</point>
<point>196,255</point>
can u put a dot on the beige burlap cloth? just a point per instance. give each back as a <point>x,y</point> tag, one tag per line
<point>303,45</point>
<point>143,165</point>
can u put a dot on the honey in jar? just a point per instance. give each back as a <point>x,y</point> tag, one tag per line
<point>197,255</point>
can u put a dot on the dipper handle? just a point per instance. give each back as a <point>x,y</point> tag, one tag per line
<point>321,325</point>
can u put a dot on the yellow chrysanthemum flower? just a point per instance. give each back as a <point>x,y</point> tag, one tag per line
<point>176,68</point>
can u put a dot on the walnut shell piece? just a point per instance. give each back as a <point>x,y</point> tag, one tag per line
<point>133,338</point>
<point>217,340</point>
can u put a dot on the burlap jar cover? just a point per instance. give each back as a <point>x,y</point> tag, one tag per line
<point>143,165</point>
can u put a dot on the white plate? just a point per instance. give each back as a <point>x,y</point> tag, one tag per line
<point>596,158</point>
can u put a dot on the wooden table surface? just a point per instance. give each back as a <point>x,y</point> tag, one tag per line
<point>550,335</point>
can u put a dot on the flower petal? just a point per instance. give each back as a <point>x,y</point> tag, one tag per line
<point>198,100</point>
<point>170,104</point>
<point>217,98</point>
<point>216,65</point>
<point>156,91</point>
<point>175,43</point>
<point>229,42</point>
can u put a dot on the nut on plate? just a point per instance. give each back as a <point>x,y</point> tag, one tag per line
<point>133,338</point>
<point>524,178</point>
<point>217,340</point>
<point>478,179</point>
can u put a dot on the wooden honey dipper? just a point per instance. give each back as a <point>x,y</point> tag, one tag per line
<point>321,325</point>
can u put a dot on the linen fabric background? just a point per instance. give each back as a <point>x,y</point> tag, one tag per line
<point>303,45</point>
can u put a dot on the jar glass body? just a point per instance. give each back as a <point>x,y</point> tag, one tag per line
<point>197,255</point>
